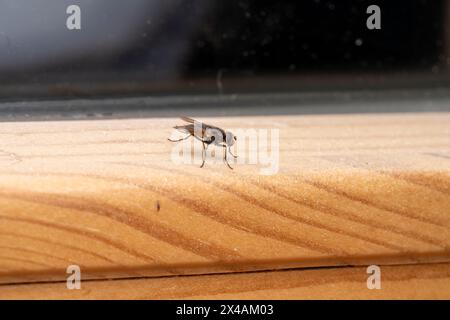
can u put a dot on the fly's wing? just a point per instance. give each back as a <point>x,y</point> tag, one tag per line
<point>204,125</point>
<point>206,128</point>
<point>189,128</point>
<point>187,119</point>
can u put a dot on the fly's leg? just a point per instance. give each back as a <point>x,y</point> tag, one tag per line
<point>225,157</point>
<point>179,139</point>
<point>205,144</point>
<point>203,154</point>
<point>229,150</point>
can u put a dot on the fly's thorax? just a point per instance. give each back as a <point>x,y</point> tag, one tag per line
<point>230,138</point>
<point>215,135</point>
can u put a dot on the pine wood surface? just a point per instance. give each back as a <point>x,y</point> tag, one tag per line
<point>105,195</point>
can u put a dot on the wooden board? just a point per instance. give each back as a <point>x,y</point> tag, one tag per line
<point>105,195</point>
<point>431,281</point>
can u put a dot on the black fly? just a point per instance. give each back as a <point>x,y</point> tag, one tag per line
<point>208,134</point>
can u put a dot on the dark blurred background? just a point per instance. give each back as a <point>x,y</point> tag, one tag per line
<point>170,47</point>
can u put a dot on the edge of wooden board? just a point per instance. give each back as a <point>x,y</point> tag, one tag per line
<point>425,281</point>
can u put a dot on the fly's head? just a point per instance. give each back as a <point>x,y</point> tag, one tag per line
<point>230,138</point>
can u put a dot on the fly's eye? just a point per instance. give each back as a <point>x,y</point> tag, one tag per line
<point>235,138</point>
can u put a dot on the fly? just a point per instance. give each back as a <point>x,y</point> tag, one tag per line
<point>208,135</point>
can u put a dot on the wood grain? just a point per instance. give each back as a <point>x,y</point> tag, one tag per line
<point>429,281</point>
<point>105,195</point>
